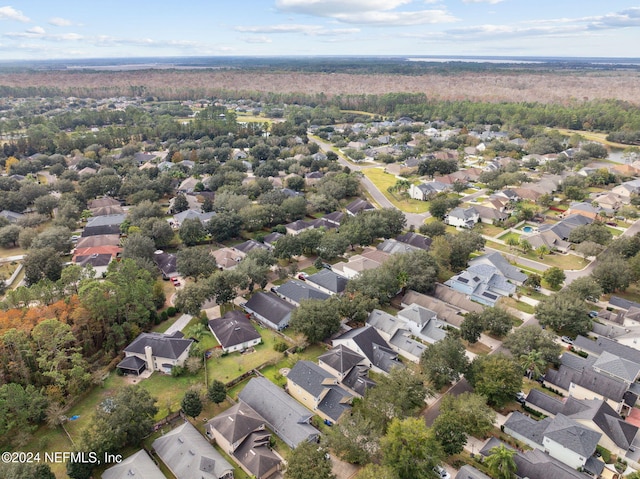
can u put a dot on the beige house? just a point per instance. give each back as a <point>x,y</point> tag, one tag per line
<point>155,352</point>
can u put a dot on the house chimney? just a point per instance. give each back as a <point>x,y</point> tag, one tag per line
<point>148,353</point>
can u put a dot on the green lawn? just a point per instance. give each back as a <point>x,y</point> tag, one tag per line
<point>508,235</point>
<point>6,252</point>
<point>519,305</point>
<point>614,231</point>
<point>383,181</point>
<point>563,261</point>
<point>487,229</point>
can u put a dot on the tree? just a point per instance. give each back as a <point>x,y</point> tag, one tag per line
<point>399,394</point>
<point>356,307</point>
<point>564,310</point>
<point>532,338</point>
<point>316,319</point>
<point>26,471</point>
<point>217,392</point>
<point>130,415</point>
<point>9,235</point>
<point>180,204</point>
<point>612,273</point>
<point>433,229</point>
<point>512,242</point>
<point>525,245</point>
<point>534,281</point>
<point>225,225</point>
<point>411,449</point>
<point>309,461</point>
<point>56,237</point>
<point>586,288</point>
<point>191,231</point>
<point>138,246</point>
<point>554,276</point>
<point>497,377</point>
<point>40,264</point>
<point>533,364</point>
<point>444,362</point>
<point>296,183</point>
<point>460,415</point>
<point>374,471</point>
<point>195,262</point>
<point>355,438</point>
<point>595,232</point>
<point>191,403</point>
<point>497,321</point>
<point>159,231</point>
<point>439,207</point>
<point>471,327</point>
<point>542,250</point>
<point>45,205</point>
<point>500,462</point>
<point>589,248</point>
<point>462,245</point>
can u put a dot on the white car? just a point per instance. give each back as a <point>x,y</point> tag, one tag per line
<point>442,472</point>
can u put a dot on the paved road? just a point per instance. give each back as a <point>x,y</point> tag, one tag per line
<point>573,275</point>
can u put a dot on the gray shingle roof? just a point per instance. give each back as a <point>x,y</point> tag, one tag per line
<point>310,377</point>
<point>392,246</point>
<point>402,340</point>
<point>232,329</point>
<point>284,415</point>
<point>237,422</point>
<point>250,245</point>
<point>536,464</point>
<point>335,403</point>
<point>341,358</point>
<point>544,401</point>
<point>573,435</point>
<point>255,455</point>
<point>163,346</point>
<point>376,349</point>
<point>469,472</point>
<point>106,220</point>
<point>415,239</point>
<point>329,280</point>
<point>269,306</point>
<point>501,264</point>
<point>189,455</point>
<point>138,465</point>
<point>384,322</point>
<point>297,291</point>
<point>358,205</point>
<point>602,344</point>
<point>358,380</point>
<point>101,230</point>
<point>617,367</point>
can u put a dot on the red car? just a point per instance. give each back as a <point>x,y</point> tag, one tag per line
<point>175,281</point>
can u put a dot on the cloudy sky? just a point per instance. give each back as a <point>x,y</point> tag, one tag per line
<point>46,29</point>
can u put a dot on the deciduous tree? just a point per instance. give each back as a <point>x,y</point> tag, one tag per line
<point>497,377</point>
<point>444,362</point>
<point>309,461</point>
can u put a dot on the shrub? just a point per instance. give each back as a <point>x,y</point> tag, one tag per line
<point>172,311</point>
<point>164,316</point>
<point>177,371</point>
<point>280,346</point>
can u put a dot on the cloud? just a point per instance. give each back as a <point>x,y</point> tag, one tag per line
<point>257,39</point>
<point>311,30</point>
<point>60,22</point>
<point>10,13</point>
<point>492,2</point>
<point>369,12</point>
<point>36,30</point>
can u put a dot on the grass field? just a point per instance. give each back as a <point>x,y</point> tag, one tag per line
<point>487,229</point>
<point>508,235</point>
<point>383,180</point>
<point>589,135</point>
<point>562,261</point>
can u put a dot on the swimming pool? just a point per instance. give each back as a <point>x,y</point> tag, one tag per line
<point>527,229</point>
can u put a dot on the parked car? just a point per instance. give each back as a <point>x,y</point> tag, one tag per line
<point>303,276</point>
<point>566,339</point>
<point>175,281</point>
<point>441,472</point>
<point>521,397</point>
<point>593,314</point>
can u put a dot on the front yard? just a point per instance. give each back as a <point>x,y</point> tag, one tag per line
<point>383,181</point>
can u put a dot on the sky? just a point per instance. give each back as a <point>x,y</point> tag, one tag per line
<point>70,29</point>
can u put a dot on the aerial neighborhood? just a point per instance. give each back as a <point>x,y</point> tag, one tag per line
<point>232,287</point>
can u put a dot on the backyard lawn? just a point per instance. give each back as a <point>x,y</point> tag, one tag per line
<point>562,261</point>
<point>383,180</point>
<point>508,235</point>
<point>488,230</point>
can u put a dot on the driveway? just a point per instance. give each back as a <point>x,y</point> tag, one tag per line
<point>180,324</point>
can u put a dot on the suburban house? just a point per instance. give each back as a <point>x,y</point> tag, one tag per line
<point>470,472</point>
<point>423,323</point>
<point>166,263</point>
<point>505,268</point>
<point>270,309</point>
<point>98,240</point>
<point>101,230</point>
<point>188,455</point>
<point>416,240</point>
<point>295,291</point>
<point>482,283</point>
<point>191,214</point>
<point>609,376</point>
<point>234,331</point>
<point>244,248</point>
<point>227,258</point>
<point>359,205</point>
<point>328,281</point>
<point>425,191</point>
<point>107,210</point>
<point>102,202</point>
<point>537,464</point>
<point>271,239</point>
<point>334,218</point>
<point>318,390</point>
<point>555,237</point>
<point>392,246</point>
<point>287,418</point>
<point>626,190</point>
<point>490,215</point>
<point>138,465</point>
<point>561,437</point>
<point>349,368</point>
<point>99,262</point>
<point>241,433</point>
<point>366,341</point>
<point>618,436</point>
<point>356,265</point>
<point>106,220</point>
<point>296,227</point>
<point>155,352</point>
<point>462,217</point>
<point>584,209</point>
